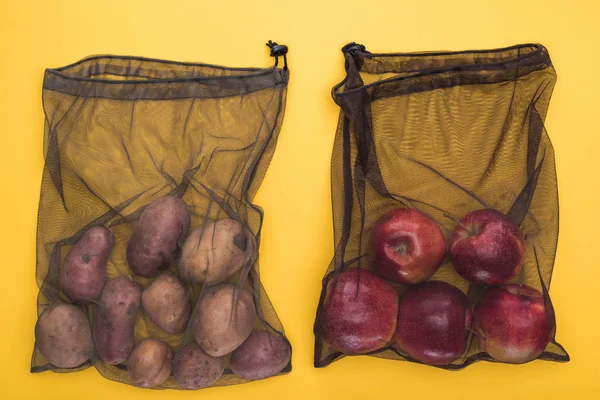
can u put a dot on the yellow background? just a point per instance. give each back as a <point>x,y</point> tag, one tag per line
<point>297,242</point>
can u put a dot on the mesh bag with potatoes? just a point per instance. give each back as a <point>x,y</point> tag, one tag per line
<point>148,237</point>
<point>445,210</point>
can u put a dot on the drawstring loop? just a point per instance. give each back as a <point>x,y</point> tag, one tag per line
<point>352,47</point>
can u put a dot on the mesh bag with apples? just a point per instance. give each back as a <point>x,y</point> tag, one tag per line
<point>148,237</point>
<point>445,210</point>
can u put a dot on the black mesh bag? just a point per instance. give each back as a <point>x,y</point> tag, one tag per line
<point>429,138</point>
<point>147,227</point>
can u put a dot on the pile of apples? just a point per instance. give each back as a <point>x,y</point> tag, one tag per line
<point>431,322</point>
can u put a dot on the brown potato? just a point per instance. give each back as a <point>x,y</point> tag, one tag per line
<point>194,369</point>
<point>83,275</point>
<point>167,303</point>
<point>154,243</point>
<point>115,319</point>
<point>213,254</point>
<point>223,322</point>
<point>149,364</point>
<point>262,355</point>
<point>63,336</point>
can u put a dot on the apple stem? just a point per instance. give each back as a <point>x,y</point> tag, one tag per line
<point>519,289</point>
<point>459,223</point>
<point>477,333</point>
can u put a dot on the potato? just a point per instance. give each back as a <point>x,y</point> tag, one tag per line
<point>222,322</point>
<point>149,364</point>
<point>115,319</point>
<point>83,275</point>
<point>213,254</point>
<point>154,243</point>
<point>63,336</point>
<point>167,303</point>
<point>262,355</point>
<point>194,369</point>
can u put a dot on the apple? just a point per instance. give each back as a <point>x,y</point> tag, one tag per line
<point>407,246</point>
<point>513,323</point>
<point>487,248</point>
<point>434,319</point>
<point>358,313</point>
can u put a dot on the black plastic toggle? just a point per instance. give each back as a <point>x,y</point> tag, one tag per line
<point>278,50</point>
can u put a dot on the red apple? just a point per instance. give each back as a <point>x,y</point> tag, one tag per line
<point>359,312</point>
<point>407,246</point>
<point>513,324</point>
<point>433,323</point>
<point>487,248</point>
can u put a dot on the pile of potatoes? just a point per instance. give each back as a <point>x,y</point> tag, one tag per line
<point>221,325</point>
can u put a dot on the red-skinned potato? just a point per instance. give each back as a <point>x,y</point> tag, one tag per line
<point>83,274</point>
<point>262,355</point>
<point>63,336</point>
<point>150,363</point>
<point>154,244</point>
<point>115,319</point>
<point>167,303</point>
<point>225,316</point>
<point>194,369</point>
